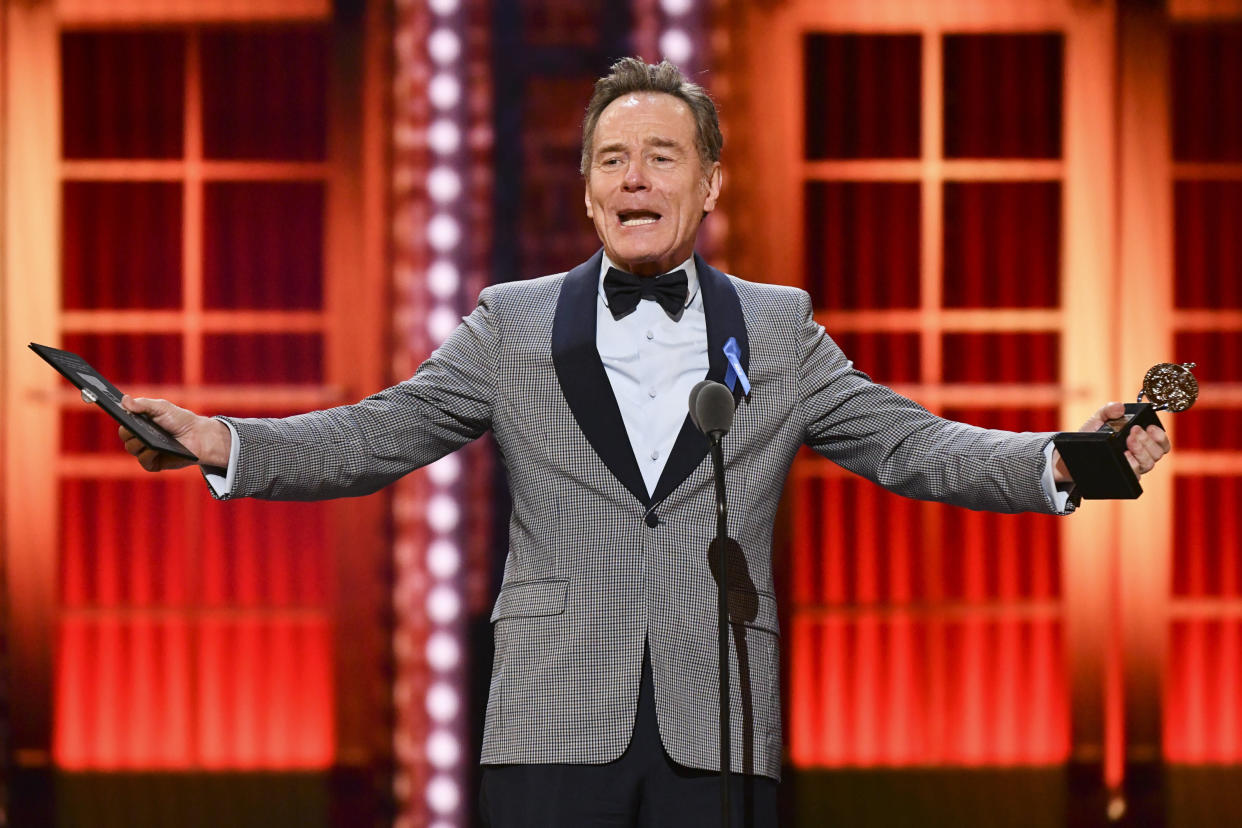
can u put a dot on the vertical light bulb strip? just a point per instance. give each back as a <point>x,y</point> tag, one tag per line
<point>430,163</point>
<point>444,740</point>
<point>684,37</point>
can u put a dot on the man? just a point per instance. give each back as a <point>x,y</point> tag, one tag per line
<point>603,702</point>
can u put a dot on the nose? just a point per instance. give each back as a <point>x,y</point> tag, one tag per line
<point>635,180</point>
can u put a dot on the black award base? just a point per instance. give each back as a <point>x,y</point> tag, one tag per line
<point>1097,459</point>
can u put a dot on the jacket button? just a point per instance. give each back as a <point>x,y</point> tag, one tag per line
<point>651,520</point>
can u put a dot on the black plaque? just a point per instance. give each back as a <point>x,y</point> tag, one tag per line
<point>96,389</point>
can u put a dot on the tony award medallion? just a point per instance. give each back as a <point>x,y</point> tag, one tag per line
<point>1097,460</point>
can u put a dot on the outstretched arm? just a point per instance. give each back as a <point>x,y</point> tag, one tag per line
<point>350,450</point>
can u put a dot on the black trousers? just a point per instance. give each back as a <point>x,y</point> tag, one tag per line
<point>643,788</point>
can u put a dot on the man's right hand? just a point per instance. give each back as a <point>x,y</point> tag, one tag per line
<point>209,439</point>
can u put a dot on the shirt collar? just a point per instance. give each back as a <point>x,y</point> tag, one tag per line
<point>692,278</point>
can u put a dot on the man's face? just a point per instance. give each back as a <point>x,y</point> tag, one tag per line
<point>646,189</point>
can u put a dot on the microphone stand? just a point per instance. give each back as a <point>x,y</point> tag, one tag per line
<point>722,537</point>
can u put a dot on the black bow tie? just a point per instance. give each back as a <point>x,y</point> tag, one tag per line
<point>625,291</point>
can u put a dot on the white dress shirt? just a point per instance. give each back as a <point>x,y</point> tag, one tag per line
<point>652,361</point>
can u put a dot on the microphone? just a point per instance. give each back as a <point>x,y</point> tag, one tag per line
<point>694,395</point>
<point>712,408</point>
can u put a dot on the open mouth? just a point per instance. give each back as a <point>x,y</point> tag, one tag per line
<point>637,218</point>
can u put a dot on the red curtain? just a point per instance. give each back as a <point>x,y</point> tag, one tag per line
<point>920,633</point>
<point>1203,705</point>
<point>192,634</point>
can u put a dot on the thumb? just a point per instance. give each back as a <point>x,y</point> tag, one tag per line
<point>1109,411</point>
<point>141,405</point>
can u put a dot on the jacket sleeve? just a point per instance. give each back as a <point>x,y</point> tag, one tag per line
<point>895,442</point>
<point>356,449</point>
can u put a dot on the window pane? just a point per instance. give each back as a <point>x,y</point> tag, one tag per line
<point>263,359</point>
<point>1207,74</point>
<point>1002,244</point>
<point>260,554</point>
<point>885,357</point>
<point>1218,355</point>
<point>1207,559</point>
<point>1001,357</point>
<point>121,244</point>
<point>862,95</point>
<point>265,93</point>
<point>1208,250</point>
<point>1002,95</point>
<point>862,244</point>
<point>263,244</point>
<point>122,94</point>
<point>1217,430</point>
<point>123,543</point>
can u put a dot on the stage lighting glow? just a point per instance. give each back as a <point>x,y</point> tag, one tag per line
<point>443,749</point>
<point>443,651</point>
<point>402,645</point>
<point>445,471</point>
<point>444,46</point>
<point>443,136</point>
<point>404,136</point>
<point>443,702</point>
<point>402,691</point>
<point>443,184</point>
<point>441,322</point>
<point>443,513</point>
<point>444,7</point>
<point>673,8</point>
<point>443,795</point>
<point>403,746</point>
<point>443,559</point>
<point>401,785</point>
<point>443,279</point>
<point>676,46</point>
<point>443,232</point>
<point>443,604</point>
<point>444,91</point>
<point>405,553</point>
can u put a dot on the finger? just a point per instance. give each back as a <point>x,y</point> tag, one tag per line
<point>1153,441</point>
<point>143,405</point>
<point>1112,414</point>
<point>1160,438</point>
<point>1111,411</point>
<point>149,459</point>
<point>1142,450</point>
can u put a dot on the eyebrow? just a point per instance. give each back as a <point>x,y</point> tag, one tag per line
<point>658,141</point>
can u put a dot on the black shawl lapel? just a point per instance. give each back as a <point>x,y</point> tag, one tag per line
<point>583,380</point>
<point>724,319</point>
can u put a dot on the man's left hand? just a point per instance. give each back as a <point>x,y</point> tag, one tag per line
<point>1144,447</point>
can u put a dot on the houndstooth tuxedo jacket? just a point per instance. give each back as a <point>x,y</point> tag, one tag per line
<point>596,566</point>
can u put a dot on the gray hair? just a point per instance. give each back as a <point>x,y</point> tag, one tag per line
<point>631,74</point>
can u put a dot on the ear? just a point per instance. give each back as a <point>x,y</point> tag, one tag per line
<point>586,197</point>
<point>714,181</point>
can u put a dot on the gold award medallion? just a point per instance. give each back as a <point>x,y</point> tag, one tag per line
<point>1170,386</point>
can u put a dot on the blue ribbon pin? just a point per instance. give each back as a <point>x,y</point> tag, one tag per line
<point>733,353</point>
